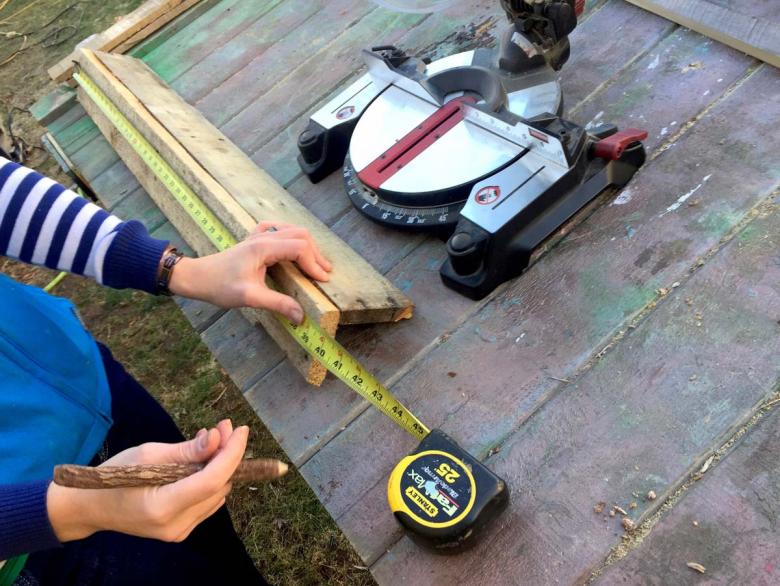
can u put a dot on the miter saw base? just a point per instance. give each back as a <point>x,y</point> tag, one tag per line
<point>471,147</point>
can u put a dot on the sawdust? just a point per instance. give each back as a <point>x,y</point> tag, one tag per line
<point>633,539</point>
<point>692,66</point>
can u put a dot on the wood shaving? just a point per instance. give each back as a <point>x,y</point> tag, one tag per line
<point>599,507</point>
<point>692,66</point>
<point>621,511</point>
<point>707,464</point>
<point>695,523</point>
<point>651,496</point>
<point>628,524</point>
<point>696,567</point>
<point>632,505</point>
<point>612,513</point>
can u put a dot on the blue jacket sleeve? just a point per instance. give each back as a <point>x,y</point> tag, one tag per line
<point>24,520</point>
<point>43,223</point>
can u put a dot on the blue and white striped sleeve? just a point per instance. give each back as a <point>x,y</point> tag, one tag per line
<point>43,223</point>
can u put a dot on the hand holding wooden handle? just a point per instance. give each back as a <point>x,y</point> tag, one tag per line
<point>249,471</point>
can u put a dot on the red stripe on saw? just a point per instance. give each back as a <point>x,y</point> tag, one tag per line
<point>410,146</point>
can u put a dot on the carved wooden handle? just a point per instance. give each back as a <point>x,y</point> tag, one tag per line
<point>249,471</point>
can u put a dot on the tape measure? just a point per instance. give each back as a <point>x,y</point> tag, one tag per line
<point>440,494</point>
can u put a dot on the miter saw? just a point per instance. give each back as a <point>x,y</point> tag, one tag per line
<point>472,146</point>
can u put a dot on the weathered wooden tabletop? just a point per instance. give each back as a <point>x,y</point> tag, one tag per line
<point>617,364</point>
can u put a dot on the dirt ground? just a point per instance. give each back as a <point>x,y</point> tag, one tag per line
<point>285,529</point>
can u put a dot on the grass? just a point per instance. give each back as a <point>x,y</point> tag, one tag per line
<point>288,533</point>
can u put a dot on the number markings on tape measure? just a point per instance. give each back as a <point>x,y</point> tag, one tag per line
<point>211,226</point>
<point>309,335</point>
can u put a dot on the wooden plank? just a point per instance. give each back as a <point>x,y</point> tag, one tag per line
<point>360,294</point>
<point>212,30</point>
<point>759,37</point>
<point>313,302</point>
<point>257,77</point>
<point>305,84</point>
<point>165,35</point>
<point>547,324</point>
<point>685,69</point>
<point>244,46</point>
<point>151,28</point>
<point>141,19</point>
<point>643,418</point>
<point>726,522</point>
<point>53,105</point>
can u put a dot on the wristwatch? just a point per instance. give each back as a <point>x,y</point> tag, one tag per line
<point>169,259</point>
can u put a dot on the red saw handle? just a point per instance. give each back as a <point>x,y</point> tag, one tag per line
<point>612,147</point>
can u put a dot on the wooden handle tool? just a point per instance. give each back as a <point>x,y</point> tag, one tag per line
<point>249,471</point>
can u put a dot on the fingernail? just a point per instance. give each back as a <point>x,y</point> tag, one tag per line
<point>203,440</point>
<point>200,432</point>
<point>296,315</point>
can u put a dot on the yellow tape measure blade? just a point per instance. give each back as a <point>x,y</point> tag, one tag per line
<point>347,369</point>
<point>309,335</point>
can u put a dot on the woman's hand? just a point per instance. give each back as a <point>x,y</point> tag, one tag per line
<point>236,276</point>
<point>167,513</point>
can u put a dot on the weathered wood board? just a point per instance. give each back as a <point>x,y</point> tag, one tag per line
<point>360,294</point>
<point>126,32</point>
<point>492,373</point>
<point>727,522</point>
<point>751,26</point>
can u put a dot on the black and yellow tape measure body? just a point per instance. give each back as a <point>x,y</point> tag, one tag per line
<point>440,494</point>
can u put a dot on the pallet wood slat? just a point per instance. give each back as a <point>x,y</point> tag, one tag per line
<point>756,36</point>
<point>726,521</point>
<point>360,293</point>
<point>125,33</point>
<point>236,219</point>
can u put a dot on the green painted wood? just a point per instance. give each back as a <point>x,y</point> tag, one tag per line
<point>163,35</point>
<point>448,309</point>
<point>53,105</point>
<point>93,158</point>
<point>168,232</point>
<point>139,206</point>
<point>267,69</point>
<point>549,322</point>
<point>242,48</point>
<point>641,419</point>
<point>71,126</point>
<point>211,30</point>
<point>272,111</point>
<point>115,184</point>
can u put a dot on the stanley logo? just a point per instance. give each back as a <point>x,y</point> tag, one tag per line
<point>427,506</point>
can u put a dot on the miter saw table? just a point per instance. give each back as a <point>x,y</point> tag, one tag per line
<point>472,146</point>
